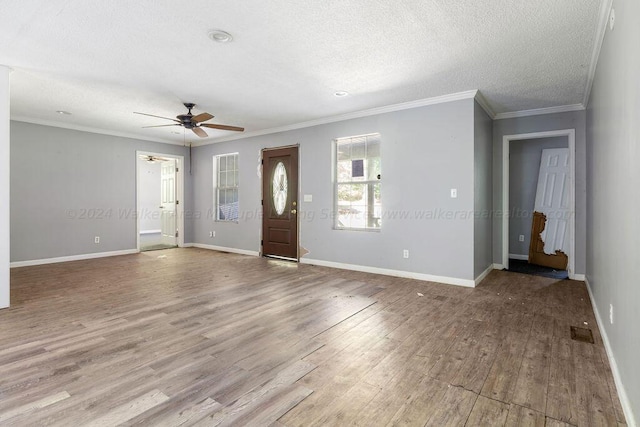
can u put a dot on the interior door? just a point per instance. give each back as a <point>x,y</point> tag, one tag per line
<point>168,202</point>
<point>280,202</point>
<point>552,199</point>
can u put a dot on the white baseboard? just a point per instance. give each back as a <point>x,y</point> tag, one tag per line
<point>498,266</point>
<point>388,272</point>
<point>222,249</point>
<point>151,232</point>
<point>519,257</point>
<point>580,277</point>
<point>482,275</point>
<point>622,393</point>
<point>71,258</point>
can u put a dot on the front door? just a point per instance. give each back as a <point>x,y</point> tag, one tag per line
<point>280,202</point>
<point>168,222</point>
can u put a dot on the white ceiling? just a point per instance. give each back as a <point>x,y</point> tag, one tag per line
<point>102,60</point>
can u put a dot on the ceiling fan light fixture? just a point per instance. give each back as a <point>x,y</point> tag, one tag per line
<point>195,123</point>
<point>341,93</point>
<point>220,36</point>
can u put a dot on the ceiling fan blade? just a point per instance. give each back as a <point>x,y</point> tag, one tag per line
<point>201,133</point>
<point>202,117</point>
<point>159,126</point>
<point>160,117</point>
<point>222,127</point>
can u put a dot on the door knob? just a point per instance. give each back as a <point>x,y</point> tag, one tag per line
<point>161,207</point>
<point>293,211</point>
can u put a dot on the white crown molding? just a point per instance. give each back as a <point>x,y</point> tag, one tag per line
<point>71,258</point>
<point>91,130</point>
<point>389,272</point>
<point>540,111</point>
<point>617,378</point>
<point>470,94</point>
<point>482,101</point>
<point>603,21</point>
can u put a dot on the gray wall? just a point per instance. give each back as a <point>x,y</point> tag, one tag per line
<point>483,193</point>
<point>425,152</point>
<point>570,120</point>
<point>5,166</point>
<point>524,167</point>
<point>64,185</point>
<point>613,159</point>
<point>149,200</point>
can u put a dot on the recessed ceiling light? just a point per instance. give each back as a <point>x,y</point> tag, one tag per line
<point>220,36</point>
<point>65,113</point>
<point>341,93</point>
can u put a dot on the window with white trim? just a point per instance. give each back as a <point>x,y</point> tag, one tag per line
<point>357,183</point>
<point>226,187</point>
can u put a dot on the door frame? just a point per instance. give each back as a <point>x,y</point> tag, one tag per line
<point>260,239</point>
<point>179,194</point>
<point>571,138</point>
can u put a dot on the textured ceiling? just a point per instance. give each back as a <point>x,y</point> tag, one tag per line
<point>102,60</point>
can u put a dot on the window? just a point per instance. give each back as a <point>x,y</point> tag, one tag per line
<point>357,182</point>
<point>226,187</point>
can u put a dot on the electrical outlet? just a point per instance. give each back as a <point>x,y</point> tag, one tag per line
<point>611,313</point>
<point>521,238</point>
<point>405,253</point>
<point>211,234</point>
<point>454,193</point>
<point>96,239</point>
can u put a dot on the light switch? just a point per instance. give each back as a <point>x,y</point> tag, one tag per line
<point>308,198</point>
<point>454,193</point>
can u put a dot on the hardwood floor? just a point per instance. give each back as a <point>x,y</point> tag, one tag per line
<point>195,337</point>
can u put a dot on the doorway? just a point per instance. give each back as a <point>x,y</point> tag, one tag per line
<point>522,158</point>
<point>280,202</point>
<point>158,209</point>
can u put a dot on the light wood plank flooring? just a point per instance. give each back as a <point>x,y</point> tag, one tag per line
<point>194,337</point>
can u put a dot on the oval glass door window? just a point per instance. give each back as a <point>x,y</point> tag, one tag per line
<point>279,188</point>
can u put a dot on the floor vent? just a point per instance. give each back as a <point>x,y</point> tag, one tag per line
<point>581,334</point>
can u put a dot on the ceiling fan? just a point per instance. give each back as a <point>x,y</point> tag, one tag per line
<point>189,121</point>
<point>152,159</point>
